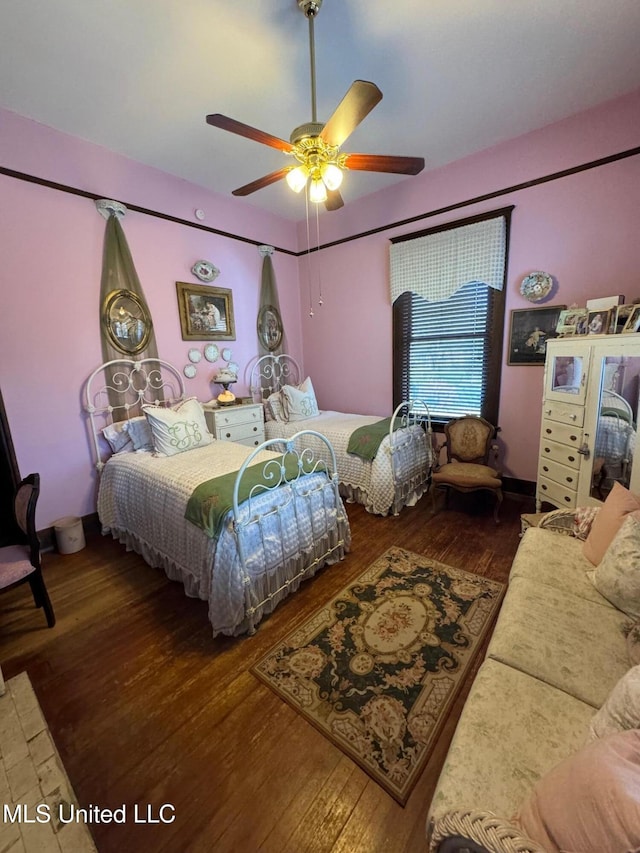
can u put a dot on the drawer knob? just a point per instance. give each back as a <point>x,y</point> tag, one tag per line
<point>569,479</point>
<point>544,488</point>
<point>545,467</point>
<point>255,429</point>
<point>547,450</point>
<point>573,417</point>
<point>571,458</point>
<point>547,411</point>
<point>573,437</point>
<point>549,431</point>
<point>567,499</point>
<point>228,435</point>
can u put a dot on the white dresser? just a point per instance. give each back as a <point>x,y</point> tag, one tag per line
<point>243,423</point>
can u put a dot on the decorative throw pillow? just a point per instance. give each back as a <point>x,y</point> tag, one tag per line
<point>300,403</point>
<point>590,801</point>
<point>178,429</point>
<point>617,576</point>
<point>621,711</point>
<point>139,432</point>
<point>118,437</point>
<point>619,503</point>
<point>583,521</point>
<point>274,408</point>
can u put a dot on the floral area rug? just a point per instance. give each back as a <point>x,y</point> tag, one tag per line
<point>377,669</point>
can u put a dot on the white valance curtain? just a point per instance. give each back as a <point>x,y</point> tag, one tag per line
<point>436,265</point>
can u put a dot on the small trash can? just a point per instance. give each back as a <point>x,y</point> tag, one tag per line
<point>69,534</point>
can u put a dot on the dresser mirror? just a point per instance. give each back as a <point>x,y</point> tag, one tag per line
<point>616,428</point>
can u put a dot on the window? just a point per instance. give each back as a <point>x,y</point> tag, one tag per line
<point>449,352</point>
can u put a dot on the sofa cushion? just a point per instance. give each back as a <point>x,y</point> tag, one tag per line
<point>591,801</point>
<point>512,730</point>
<point>621,711</point>
<point>617,576</point>
<point>541,552</point>
<point>619,503</point>
<point>570,643</point>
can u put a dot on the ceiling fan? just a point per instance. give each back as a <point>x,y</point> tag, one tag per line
<point>316,146</point>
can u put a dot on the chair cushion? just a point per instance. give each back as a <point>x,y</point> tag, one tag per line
<point>468,475</point>
<point>14,564</point>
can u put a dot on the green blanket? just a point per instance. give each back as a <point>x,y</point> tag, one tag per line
<point>365,441</point>
<point>213,499</point>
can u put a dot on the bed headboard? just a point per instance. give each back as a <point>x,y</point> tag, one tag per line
<point>270,373</point>
<point>117,390</point>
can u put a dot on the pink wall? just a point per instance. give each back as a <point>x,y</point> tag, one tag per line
<point>51,249</point>
<point>581,229</point>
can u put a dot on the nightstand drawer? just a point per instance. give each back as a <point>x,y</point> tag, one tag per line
<point>240,432</point>
<point>557,452</point>
<point>561,432</point>
<point>238,415</point>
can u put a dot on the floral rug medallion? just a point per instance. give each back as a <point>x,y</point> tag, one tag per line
<point>377,669</point>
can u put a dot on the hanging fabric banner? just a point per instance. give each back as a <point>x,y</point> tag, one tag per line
<point>271,337</point>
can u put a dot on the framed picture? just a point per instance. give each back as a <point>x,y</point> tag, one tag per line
<point>598,322</point>
<point>269,327</point>
<point>206,313</point>
<point>572,321</point>
<point>530,330</point>
<point>622,313</point>
<point>633,321</point>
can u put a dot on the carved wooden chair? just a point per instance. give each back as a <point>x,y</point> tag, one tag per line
<point>20,563</point>
<point>469,445</point>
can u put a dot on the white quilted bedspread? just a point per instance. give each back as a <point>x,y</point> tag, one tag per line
<point>369,482</point>
<point>142,501</point>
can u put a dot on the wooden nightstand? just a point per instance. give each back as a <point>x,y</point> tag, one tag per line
<point>243,423</point>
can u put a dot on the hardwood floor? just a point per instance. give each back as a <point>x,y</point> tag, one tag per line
<point>147,708</point>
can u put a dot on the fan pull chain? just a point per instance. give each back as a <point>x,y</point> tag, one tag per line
<point>306,204</point>
<point>320,302</point>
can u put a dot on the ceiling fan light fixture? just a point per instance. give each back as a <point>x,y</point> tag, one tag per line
<point>297,178</point>
<point>331,175</point>
<point>317,191</point>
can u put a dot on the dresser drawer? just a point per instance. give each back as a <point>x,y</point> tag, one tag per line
<point>241,432</point>
<point>565,413</point>
<point>557,452</point>
<point>556,494</point>
<point>562,474</point>
<point>561,432</point>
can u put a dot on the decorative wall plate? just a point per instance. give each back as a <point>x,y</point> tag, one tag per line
<point>227,354</point>
<point>189,371</point>
<point>232,367</point>
<point>211,352</point>
<point>205,271</point>
<point>536,286</point>
<point>195,355</point>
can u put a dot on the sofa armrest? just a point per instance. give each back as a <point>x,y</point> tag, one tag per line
<point>466,831</point>
<point>560,521</point>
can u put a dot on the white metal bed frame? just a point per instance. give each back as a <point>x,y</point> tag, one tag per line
<point>271,372</point>
<point>126,385</point>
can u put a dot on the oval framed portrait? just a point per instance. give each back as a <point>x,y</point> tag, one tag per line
<point>269,327</point>
<point>126,321</point>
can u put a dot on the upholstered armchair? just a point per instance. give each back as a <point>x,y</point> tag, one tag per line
<point>469,444</point>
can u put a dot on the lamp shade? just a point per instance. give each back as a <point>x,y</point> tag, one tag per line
<point>317,191</point>
<point>331,175</point>
<point>297,178</point>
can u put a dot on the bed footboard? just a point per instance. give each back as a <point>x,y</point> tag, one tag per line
<point>307,513</point>
<point>411,450</point>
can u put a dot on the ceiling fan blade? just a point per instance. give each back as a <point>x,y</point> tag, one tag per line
<point>233,126</point>
<point>352,109</point>
<point>334,200</point>
<point>265,181</point>
<point>383,163</point>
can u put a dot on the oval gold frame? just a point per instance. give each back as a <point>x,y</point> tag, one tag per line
<point>116,301</point>
<point>269,327</point>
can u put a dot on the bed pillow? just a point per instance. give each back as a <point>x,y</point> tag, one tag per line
<point>118,437</point>
<point>139,432</point>
<point>617,576</point>
<point>274,408</point>
<point>590,801</point>
<point>619,503</point>
<point>621,711</point>
<point>181,428</point>
<point>300,403</point>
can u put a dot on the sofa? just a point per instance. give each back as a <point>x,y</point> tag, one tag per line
<point>559,650</point>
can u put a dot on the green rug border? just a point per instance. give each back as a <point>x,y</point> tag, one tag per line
<point>399,797</point>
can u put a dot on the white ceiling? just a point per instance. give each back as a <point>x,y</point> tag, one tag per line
<point>139,76</point>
